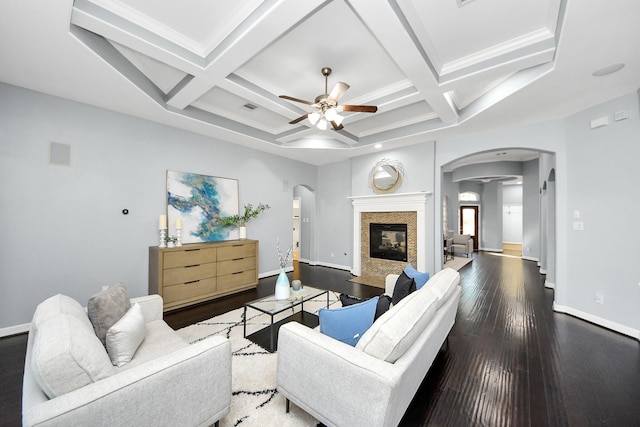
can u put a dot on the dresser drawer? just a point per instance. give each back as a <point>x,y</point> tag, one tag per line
<point>236,265</point>
<point>231,281</point>
<point>189,257</point>
<point>190,290</point>
<point>176,275</point>
<point>236,251</point>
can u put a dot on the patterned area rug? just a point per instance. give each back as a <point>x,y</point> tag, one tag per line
<point>255,400</point>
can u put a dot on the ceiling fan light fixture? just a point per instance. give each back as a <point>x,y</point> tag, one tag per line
<point>314,117</point>
<point>322,124</point>
<point>330,114</point>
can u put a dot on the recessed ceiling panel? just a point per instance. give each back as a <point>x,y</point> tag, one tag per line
<point>233,107</point>
<point>383,121</point>
<point>196,25</point>
<point>333,37</point>
<point>479,27</point>
<point>161,74</point>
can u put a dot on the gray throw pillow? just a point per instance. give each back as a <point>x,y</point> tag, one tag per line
<point>106,308</point>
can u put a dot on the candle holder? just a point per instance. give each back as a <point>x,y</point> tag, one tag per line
<point>178,236</point>
<point>163,238</point>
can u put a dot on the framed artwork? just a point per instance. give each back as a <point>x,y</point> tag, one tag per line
<point>197,202</point>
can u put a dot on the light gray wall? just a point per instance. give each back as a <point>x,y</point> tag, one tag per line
<point>530,211</point>
<point>450,189</point>
<point>335,215</point>
<point>64,230</point>
<point>491,217</point>
<point>417,161</point>
<point>602,184</point>
<point>308,221</point>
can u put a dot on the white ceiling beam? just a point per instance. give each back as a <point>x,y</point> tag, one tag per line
<point>268,27</point>
<point>393,36</point>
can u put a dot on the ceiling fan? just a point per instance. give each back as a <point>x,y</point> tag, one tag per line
<point>327,107</point>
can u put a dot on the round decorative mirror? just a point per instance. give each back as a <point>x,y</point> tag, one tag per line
<point>386,176</point>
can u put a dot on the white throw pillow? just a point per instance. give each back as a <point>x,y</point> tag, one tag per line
<point>125,336</point>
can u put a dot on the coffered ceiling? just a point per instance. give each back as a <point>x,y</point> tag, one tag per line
<point>434,68</point>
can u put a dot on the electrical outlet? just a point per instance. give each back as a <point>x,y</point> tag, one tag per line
<point>578,225</point>
<point>332,255</point>
<point>599,298</point>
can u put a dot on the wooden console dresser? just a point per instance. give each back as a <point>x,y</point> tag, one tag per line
<point>198,272</point>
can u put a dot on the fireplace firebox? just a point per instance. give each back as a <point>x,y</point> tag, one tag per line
<point>388,241</point>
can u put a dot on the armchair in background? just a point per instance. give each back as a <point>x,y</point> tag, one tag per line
<point>462,244</point>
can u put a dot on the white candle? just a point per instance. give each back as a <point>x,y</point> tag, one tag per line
<point>179,223</point>
<point>162,223</point>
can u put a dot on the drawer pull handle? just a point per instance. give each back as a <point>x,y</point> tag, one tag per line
<point>235,246</point>
<point>193,281</point>
<point>238,272</point>
<point>237,259</point>
<point>194,265</point>
<point>191,250</point>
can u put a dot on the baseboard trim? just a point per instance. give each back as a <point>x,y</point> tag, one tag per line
<point>549,285</point>
<point>14,330</point>
<point>529,258</point>
<point>624,330</point>
<point>543,271</point>
<point>336,266</point>
<point>491,250</point>
<point>274,273</point>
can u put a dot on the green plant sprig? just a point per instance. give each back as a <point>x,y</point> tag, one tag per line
<point>250,212</point>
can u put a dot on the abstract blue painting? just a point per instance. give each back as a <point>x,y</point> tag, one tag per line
<point>199,201</point>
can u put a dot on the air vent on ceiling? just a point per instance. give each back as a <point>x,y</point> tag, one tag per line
<point>250,106</point>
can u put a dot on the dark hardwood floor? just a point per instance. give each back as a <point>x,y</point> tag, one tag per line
<point>511,361</point>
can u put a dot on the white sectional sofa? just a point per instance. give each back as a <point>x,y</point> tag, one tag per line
<point>69,379</point>
<point>373,383</point>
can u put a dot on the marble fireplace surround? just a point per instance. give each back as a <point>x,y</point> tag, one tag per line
<point>402,202</point>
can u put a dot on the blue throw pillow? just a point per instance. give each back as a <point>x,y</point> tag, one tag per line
<point>420,278</point>
<point>347,324</point>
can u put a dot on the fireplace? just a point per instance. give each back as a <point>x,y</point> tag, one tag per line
<point>388,241</point>
<point>402,208</point>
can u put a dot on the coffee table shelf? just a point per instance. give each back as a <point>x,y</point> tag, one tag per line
<point>268,337</point>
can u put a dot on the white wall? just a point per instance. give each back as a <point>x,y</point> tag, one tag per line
<point>512,213</point>
<point>64,230</point>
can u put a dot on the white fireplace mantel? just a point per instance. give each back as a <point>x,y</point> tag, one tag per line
<point>401,202</point>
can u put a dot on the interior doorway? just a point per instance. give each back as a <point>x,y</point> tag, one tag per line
<point>469,223</point>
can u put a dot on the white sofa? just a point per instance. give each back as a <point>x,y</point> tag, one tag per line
<point>167,383</point>
<point>373,383</point>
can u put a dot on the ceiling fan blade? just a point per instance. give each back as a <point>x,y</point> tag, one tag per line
<point>338,90</point>
<point>336,126</point>
<point>299,119</point>
<point>290,98</point>
<point>360,108</point>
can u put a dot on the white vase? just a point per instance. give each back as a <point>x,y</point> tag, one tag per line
<point>282,286</point>
<point>243,232</point>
